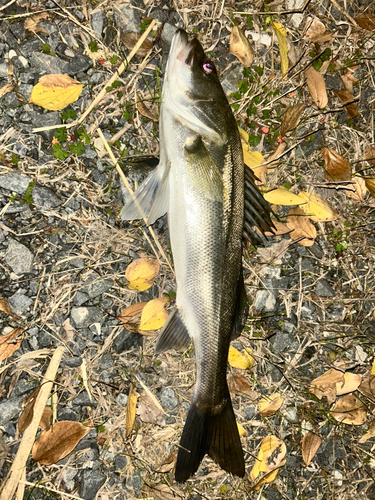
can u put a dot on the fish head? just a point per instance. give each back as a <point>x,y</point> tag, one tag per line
<point>192,91</point>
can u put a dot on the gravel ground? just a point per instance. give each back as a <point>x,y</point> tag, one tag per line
<point>64,252</point>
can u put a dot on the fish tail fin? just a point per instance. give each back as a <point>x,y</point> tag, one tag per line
<point>217,435</point>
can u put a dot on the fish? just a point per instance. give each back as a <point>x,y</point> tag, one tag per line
<point>213,205</point>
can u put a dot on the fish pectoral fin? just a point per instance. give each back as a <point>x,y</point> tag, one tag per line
<point>151,199</point>
<point>216,435</point>
<point>202,170</point>
<point>173,334</point>
<point>241,309</point>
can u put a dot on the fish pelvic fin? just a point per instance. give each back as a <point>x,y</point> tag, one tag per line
<point>214,434</point>
<point>151,199</point>
<point>173,334</point>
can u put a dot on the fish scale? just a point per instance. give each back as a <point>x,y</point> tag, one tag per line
<point>200,181</point>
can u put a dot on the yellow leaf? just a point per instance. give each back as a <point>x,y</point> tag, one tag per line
<point>316,208</point>
<point>373,368</point>
<point>154,315</point>
<point>55,92</point>
<point>240,47</point>
<point>237,359</point>
<point>241,431</point>
<point>244,135</point>
<point>270,457</point>
<point>281,196</point>
<point>350,383</point>
<point>269,405</point>
<point>251,158</point>
<point>283,46</point>
<point>141,274</point>
<point>130,411</point>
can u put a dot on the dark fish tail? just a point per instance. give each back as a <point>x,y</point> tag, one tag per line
<point>214,434</point>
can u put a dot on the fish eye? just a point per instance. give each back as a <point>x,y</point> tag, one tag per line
<point>208,67</point>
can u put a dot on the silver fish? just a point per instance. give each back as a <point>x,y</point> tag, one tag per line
<point>211,203</point>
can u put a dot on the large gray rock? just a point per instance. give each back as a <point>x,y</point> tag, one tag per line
<point>19,258</point>
<point>15,181</point>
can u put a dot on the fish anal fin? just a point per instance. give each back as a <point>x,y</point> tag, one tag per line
<point>151,199</point>
<point>215,434</point>
<point>173,334</point>
<point>241,309</point>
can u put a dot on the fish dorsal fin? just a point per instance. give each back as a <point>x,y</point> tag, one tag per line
<point>241,309</point>
<point>257,210</point>
<point>202,170</point>
<point>173,334</point>
<point>151,199</point>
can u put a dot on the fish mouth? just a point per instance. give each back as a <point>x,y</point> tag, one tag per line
<point>188,53</point>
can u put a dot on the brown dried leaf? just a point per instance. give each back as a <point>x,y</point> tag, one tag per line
<point>167,464</point>
<point>359,184</point>
<point>130,40</point>
<point>349,410</point>
<point>10,342</point>
<point>317,87</point>
<point>148,411</point>
<point>325,385</point>
<point>348,101</point>
<point>366,21</point>
<point>146,110</point>
<point>276,155</point>
<point>350,383</point>
<point>369,434</point>
<point>5,89</point>
<point>291,118</point>
<point>301,226</point>
<point>370,185</point>
<point>370,155</point>
<point>348,84</point>
<point>5,307</point>
<point>56,443</point>
<point>273,253</point>
<point>45,421</point>
<point>26,416</point>
<point>239,383</point>
<point>317,32</point>
<point>240,47</point>
<point>310,445</point>
<point>337,168</point>
<point>131,316</point>
<point>367,387</point>
<point>31,23</point>
<point>130,411</point>
<point>269,405</point>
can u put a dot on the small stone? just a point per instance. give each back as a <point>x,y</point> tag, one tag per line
<point>90,484</point>
<point>122,399</point>
<point>126,341</point>
<point>168,398</point>
<point>46,120</point>
<point>45,63</point>
<point>291,415</point>
<point>127,19</point>
<point>265,301</point>
<point>67,478</point>
<point>78,64</point>
<point>324,289</point>
<point>72,362</point>
<point>68,414</point>
<point>20,303</point>
<point>15,181</point>
<point>98,21</point>
<point>9,409</point>
<point>231,78</point>
<point>83,399</point>
<point>95,285</point>
<point>19,258</point>
<point>80,298</point>
<point>167,33</point>
<point>45,198</point>
<point>86,316</point>
<point>120,462</point>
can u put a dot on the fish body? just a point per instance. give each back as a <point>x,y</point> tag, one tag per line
<point>200,181</point>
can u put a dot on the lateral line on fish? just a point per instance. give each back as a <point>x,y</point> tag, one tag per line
<point>128,187</point>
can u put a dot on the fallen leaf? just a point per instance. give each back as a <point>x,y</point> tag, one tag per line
<point>367,387</point>
<point>272,160</point>
<point>369,434</point>
<point>168,464</point>
<point>55,92</point>
<point>370,155</point>
<point>366,21</point>
<point>31,23</point>
<point>244,135</point>
<point>273,253</point>
<point>316,208</point>
<point>130,411</point>
<point>301,227</point>
<point>325,385</point>
<point>5,307</point>
<point>56,443</point>
<point>270,457</point>
<point>146,110</point>
<point>270,404</point>
<point>239,384</point>
<point>27,414</point>
<point>370,186</point>
<point>290,118</point>
<point>359,184</point>
<point>373,368</point>
<point>317,87</point>
<point>349,383</point>
<point>241,431</point>
<point>131,316</point>
<point>45,421</point>
<point>243,360</point>
<point>347,100</point>
<point>10,342</point>
<point>154,315</point>
<point>317,32</point>
<point>349,410</point>
<point>337,168</point>
<point>252,159</point>
<point>281,196</point>
<point>5,89</point>
<point>131,39</point>
<point>310,445</point>
<point>240,47</point>
<point>141,274</point>
<point>283,46</point>
<point>148,411</point>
